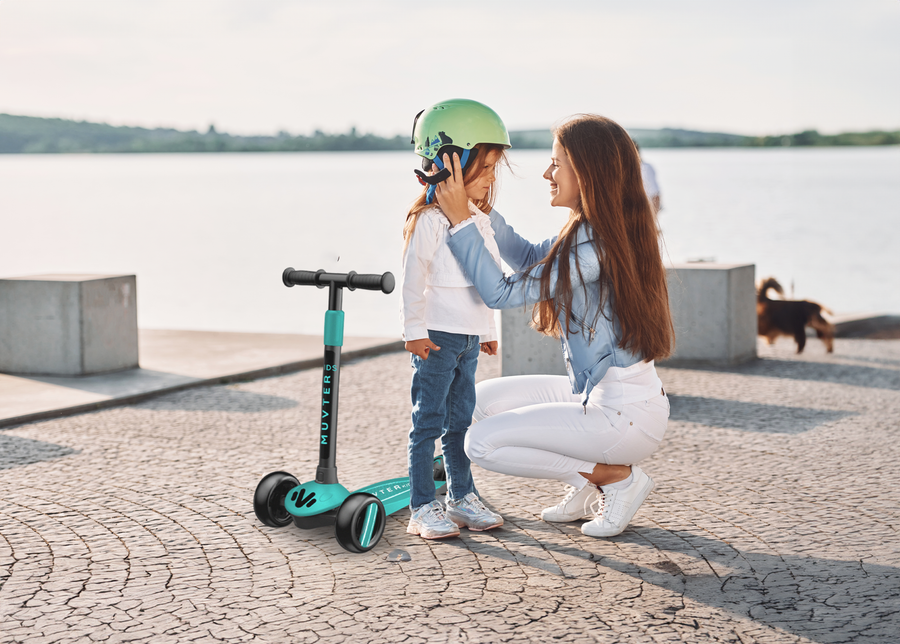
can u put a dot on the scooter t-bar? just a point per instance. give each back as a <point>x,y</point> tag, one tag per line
<point>351,280</point>
<point>326,472</point>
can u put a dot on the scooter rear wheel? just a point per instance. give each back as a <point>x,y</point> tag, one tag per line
<point>360,522</point>
<point>268,500</point>
<point>438,471</point>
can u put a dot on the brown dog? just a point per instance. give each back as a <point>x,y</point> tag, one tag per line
<point>790,317</point>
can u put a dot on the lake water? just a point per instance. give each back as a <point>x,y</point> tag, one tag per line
<point>208,235</point>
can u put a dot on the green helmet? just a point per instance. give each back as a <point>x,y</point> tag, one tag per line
<point>458,122</point>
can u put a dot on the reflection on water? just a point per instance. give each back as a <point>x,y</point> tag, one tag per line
<point>208,234</point>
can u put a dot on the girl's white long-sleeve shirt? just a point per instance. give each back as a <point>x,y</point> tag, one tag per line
<point>435,292</point>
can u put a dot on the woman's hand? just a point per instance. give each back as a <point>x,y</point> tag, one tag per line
<point>451,193</point>
<point>489,348</point>
<point>421,347</point>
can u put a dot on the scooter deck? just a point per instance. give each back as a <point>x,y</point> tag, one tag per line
<point>393,493</point>
<point>312,499</point>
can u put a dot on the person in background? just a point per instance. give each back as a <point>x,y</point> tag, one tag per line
<point>651,187</point>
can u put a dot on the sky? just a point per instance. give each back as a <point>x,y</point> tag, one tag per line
<point>263,66</point>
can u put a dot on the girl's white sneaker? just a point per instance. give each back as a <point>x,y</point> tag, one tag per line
<point>615,508</point>
<point>472,513</point>
<point>430,522</point>
<point>576,504</point>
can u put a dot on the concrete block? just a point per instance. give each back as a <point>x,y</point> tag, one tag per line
<point>525,351</point>
<point>714,312</point>
<point>68,325</point>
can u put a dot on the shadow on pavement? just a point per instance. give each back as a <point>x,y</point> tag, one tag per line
<point>118,383</point>
<point>824,600</point>
<point>16,451</point>
<point>750,417</point>
<point>225,399</point>
<point>873,360</point>
<point>842,374</point>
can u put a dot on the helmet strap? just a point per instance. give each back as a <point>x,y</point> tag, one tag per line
<point>432,180</point>
<point>464,159</point>
<point>429,194</point>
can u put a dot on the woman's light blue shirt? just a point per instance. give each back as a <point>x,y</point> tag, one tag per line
<point>588,352</point>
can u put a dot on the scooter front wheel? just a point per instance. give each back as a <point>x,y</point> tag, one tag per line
<point>268,500</point>
<point>360,522</point>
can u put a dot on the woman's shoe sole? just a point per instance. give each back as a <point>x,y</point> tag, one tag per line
<point>583,516</point>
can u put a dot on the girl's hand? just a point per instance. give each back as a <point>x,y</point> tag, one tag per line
<point>421,347</point>
<point>451,193</point>
<point>489,348</point>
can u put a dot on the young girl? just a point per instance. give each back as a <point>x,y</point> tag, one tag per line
<point>444,320</point>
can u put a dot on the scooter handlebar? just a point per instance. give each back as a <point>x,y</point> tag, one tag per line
<point>351,280</point>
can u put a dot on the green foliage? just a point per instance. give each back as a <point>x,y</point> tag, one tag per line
<point>813,138</point>
<point>664,138</point>
<point>26,134</point>
<point>676,138</point>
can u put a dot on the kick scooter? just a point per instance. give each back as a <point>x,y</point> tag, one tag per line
<point>358,517</point>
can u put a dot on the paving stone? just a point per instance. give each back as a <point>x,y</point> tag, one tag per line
<point>774,519</point>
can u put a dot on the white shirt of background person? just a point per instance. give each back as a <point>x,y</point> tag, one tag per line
<point>648,174</point>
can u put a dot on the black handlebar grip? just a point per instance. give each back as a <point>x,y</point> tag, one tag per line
<point>383,283</point>
<point>290,277</point>
<point>351,280</point>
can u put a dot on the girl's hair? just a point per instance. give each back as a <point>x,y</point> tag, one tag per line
<point>474,172</point>
<point>625,238</point>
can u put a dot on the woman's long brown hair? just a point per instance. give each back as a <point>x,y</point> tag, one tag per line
<point>615,205</point>
<point>484,205</point>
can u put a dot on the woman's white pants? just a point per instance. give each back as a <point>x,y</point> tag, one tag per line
<point>535,427</point>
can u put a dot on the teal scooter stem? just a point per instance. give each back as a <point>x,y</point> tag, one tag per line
<point>358,517</point>
<point>331,375</point>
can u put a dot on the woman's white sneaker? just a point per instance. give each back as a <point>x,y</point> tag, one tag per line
<point>576,504</point>
<point>615,508</point>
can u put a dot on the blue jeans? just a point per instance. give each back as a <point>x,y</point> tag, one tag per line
<point>443,399</point>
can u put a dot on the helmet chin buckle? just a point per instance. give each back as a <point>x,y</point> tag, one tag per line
<point>432,179</point>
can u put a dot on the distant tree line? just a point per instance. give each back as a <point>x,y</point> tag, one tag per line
<point>674,138</point>
<point>27,134</point>
<point>810,138</point>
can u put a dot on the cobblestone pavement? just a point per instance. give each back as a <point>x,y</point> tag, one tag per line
<point>774,520</point>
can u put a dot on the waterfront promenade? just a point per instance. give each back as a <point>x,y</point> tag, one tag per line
<point>774,519</point>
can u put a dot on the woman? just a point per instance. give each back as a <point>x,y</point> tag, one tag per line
<point>600,287</point>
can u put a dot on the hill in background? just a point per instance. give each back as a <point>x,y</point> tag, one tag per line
<point>664,138</point>
<point>28,134</point>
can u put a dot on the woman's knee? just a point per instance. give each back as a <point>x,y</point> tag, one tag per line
<point>482,401</point>
<point>498,395</point>
<point>474,445</point>
<point>494,396</point>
